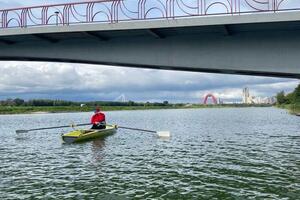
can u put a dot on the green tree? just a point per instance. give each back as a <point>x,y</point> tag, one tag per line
<point>290,98</point>
<point>18,102</point>
<point>297,95</point>
<point>131,103</point>
<point>280,98</point>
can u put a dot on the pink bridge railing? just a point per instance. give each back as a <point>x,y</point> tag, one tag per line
<point>114,11</point>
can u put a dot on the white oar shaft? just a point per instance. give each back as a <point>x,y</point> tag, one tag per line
<point>47,128</point>
<point>162,134</point>
<point>136,129</point>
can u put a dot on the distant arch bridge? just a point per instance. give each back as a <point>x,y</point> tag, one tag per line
<point>214,99</point>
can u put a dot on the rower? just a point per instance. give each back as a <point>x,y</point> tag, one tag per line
<point>98,120</point>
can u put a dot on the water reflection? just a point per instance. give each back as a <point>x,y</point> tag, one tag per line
<point>98,146</point>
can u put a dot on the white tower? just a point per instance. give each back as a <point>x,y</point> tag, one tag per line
<point>246,96</point>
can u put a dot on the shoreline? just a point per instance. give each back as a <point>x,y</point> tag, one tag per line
<point>292,109</point>
<point>39,112</point>
<point>71,109</point>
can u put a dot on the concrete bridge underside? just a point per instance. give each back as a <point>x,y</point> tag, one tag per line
<point>244,45</point>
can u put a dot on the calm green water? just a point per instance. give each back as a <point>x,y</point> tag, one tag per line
<point>244,153</point>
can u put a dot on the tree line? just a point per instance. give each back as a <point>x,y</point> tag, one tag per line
<point>49,102</point>
<point>291,98</point>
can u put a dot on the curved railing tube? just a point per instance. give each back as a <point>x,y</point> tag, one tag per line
<point>114,11</point>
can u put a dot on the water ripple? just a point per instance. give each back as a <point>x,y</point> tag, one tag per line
<point>213,154</point>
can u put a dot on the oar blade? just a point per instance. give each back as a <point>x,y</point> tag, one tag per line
<point>21,131</point>
<point>164,134</point>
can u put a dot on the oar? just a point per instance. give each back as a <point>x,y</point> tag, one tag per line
<point>162,134</point>
<point>54,127</point>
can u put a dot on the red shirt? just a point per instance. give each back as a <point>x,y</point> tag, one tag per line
<point>98,117</point>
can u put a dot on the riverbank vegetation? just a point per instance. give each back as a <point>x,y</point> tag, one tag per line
<point>290,101</point>
<point>20,106</point>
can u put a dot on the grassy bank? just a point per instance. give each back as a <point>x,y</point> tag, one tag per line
<point>63,109</point>
<point>293,109</point>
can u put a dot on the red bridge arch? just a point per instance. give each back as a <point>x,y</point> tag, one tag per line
<point>213,98</point>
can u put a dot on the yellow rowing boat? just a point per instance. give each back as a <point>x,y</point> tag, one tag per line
<point>84,135</point>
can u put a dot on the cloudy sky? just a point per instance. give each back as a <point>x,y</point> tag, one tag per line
<point>95,82</point>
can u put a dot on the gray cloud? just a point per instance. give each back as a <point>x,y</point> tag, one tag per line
<point>96,82</point>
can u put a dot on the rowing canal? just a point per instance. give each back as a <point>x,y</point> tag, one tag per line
<point>242,153</point>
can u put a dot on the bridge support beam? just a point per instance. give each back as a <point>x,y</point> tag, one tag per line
<point>268,49</point>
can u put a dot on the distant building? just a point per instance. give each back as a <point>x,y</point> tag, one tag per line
<point>220,101</point>
<point>270,100</point>
<point>247,99</point>
<point>188,105</point>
